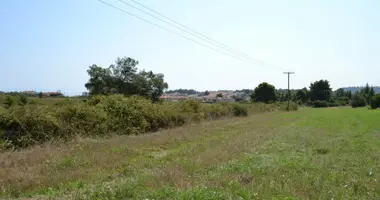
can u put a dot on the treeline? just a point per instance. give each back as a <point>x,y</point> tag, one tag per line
<point>182,91</point>
<point>33,94</point>
<point>319,94</point>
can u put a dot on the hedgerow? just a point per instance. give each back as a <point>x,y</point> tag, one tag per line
<point>31,124</point>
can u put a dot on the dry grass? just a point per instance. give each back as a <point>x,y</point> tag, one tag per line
<point>92,159</point>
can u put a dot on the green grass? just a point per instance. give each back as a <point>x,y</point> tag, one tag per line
<point>329,153</point>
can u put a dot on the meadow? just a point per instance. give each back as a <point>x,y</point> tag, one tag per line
<point>325,153</point>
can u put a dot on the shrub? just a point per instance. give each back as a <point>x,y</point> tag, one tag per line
<point>218,110</point>
<point>343,101</point>
<point>334,104</point>
<point>240,110</point>
<point>375,101</point>
<point>320,104</point>
<point>81,118</point>
<point>29,125</point>
<point>358,100</point>
<point>8,102</point>
<point>23,100</point>
<point>193,109</point>
<point>293,106</point>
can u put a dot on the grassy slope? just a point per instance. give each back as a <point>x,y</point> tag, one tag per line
<point>309,154</point>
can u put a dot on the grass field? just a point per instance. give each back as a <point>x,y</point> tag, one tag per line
<point>309,154</point>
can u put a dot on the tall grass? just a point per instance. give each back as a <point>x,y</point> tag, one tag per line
<point>25,125</point>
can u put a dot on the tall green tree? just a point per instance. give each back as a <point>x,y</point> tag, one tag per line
<point>123,77</point>
<point>264,92</point>
<point>339,93</point>
<point>320,90</point>
<point>368,92</point>
<point>302,95</point>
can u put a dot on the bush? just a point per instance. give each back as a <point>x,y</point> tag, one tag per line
<point>375,101</point>
<point>343,101</point>
<point>240,110</point>
<point>83,119</point>
<point>25,126</point>
<point>334,104</point>
<point>320,104</point>
<point>8,102</point>
<point>23,100</point>
<point>358,100</point>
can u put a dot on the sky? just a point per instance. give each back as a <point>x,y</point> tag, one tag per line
<point>47,45</point>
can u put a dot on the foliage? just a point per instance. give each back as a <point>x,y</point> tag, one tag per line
<point>368,92</point>
<point>8,102</point>
<point>334,104</point>
<point>22,126</point>
<point>340,93</point>
<point>220,95</point>
<point>358,100</point>
<point>23,100</point>
<point>320,104</point>
<point>182,91</point>
<point>302,95</point>
<point>122,78</point>
<point>40,95</point>
<point>206,93</point>
<point>345,100</point>
<point>320,90</point>
<point>264,93</point>
<point>240,110</point>
<point>375,101</point>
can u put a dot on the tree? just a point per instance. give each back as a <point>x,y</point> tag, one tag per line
<point>100,80</point>
<point>368,92</point>
<point>183,91</point>
<point>264,93</point>
<point>206,93</point>
<point>339,93</point>
<point>122,78</point>
<point>40,95</point>
<point>375,101</point>
<point>366,89</point>
<point>320,90</point>
<point>358,100</point>
<point>302,95</point>
<point>220,95</point>
<point>349,94</point>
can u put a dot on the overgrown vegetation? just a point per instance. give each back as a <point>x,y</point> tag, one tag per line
<point>375,101</point>
<point>29,124</point>
<point>358,100</point>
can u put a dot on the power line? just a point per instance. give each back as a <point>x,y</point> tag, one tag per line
<point>190,31</point>
<point>175,33</point>
<point>198,34</point>
<point>187,38</point>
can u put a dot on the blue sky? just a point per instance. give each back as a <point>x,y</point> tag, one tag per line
<point>49,44</point>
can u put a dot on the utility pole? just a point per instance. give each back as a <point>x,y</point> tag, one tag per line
<point>288,73</point>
